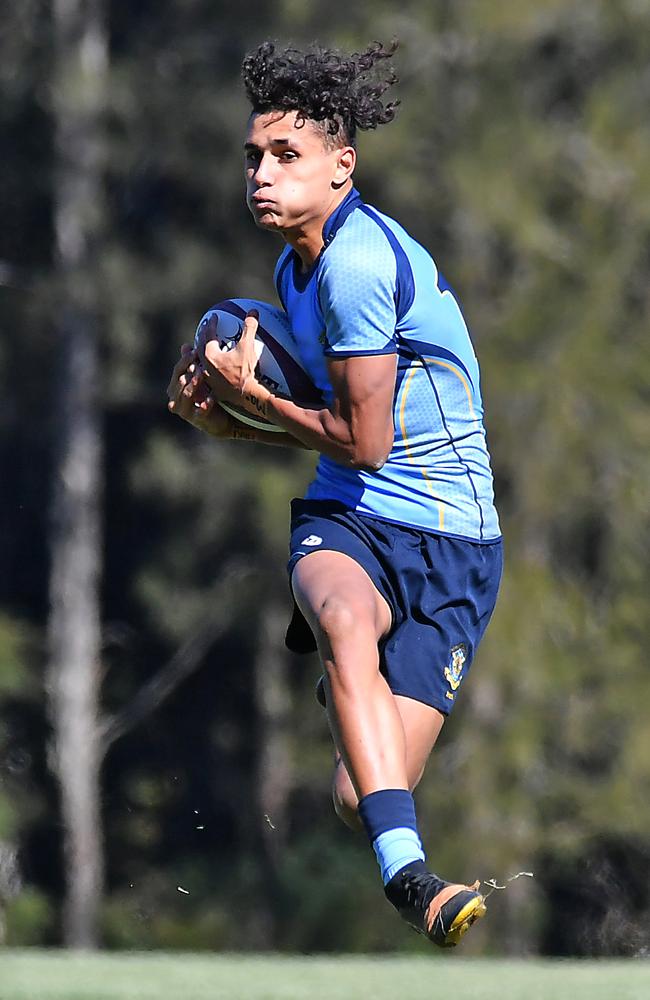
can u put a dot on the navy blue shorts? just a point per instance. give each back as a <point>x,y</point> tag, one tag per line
<point>441,590</point>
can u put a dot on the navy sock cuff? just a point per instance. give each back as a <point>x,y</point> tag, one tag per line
<point>385,810</point>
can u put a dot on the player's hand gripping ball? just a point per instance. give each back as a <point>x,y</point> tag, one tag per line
<point>189,397</point>
<point>278,364</point>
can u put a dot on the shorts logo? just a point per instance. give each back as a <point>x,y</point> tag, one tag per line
<point>454,669</point>
<point>311,540</point>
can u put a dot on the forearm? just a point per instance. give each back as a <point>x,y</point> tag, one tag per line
<point>317,429</point>
<point>242,432</point>
<point>356,430</point>
<point>229,429</point>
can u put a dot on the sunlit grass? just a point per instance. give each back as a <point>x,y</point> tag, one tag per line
<point>38,975</point>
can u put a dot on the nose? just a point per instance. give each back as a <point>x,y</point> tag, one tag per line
<point>263,175</point>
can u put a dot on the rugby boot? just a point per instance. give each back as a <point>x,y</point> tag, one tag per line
<point>442,911</point>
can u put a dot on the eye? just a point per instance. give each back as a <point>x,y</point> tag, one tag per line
<point>288,155</point>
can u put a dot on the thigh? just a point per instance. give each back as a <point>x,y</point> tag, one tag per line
<point>327,576</point>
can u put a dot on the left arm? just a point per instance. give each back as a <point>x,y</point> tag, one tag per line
<point>356,431</point>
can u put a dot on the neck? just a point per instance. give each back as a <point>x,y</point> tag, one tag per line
<point>307,239</point>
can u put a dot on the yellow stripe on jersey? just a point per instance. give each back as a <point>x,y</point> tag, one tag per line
<point>445,364</point>
<point>423,471</point>
<point>407,385</point>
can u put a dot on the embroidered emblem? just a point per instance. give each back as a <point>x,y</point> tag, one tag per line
<point>454,669</point>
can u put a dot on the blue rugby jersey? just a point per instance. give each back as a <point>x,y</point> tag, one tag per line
<point>375,290</point>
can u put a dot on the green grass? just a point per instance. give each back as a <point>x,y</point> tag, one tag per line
<point>38,975</point>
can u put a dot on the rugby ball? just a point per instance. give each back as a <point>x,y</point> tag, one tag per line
<point>278,364</point>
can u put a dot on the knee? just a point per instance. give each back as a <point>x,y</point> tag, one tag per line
<point>336,618</point>
<point>344,628</point>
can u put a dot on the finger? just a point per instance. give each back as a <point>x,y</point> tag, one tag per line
<point>205,405</point>
<point>210,338</point>
<point>251,324</point>
<point>191,374</point>
<point>207,331</point>
<point>210,322</point>
<point>212,352</point>
<point>172,388</point>
<point>185,361</point>
<point>192,384</point>
<point>187,349</point>
<point>179,369</point>
<point>179,386</point>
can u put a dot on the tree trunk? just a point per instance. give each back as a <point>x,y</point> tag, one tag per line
<point>76,526</point>
<point>10,882</point>
<point>274,773</point>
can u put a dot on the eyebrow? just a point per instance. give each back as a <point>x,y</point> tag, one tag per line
<point>275,142</point>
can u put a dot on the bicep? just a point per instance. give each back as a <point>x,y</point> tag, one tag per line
<point>364,390</point>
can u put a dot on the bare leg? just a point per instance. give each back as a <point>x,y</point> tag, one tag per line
<point>422,726</point>
<point>348,617</point>
<point>384,741</point>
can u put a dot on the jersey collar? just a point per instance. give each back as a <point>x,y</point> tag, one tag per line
<point>332,225</point>
<point>351,201</point>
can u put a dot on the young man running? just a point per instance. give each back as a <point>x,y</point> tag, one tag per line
<point>395,551</point>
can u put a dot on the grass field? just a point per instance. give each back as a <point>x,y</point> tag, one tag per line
<point>37,975</point>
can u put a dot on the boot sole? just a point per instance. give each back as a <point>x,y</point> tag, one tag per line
<point>472,911</point>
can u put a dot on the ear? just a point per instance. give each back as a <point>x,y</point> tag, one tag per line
<point>346,161</point>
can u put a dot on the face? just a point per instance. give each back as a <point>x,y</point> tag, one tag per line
<point>293,177</point>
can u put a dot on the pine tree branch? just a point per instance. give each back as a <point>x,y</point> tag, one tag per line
<point>181,665</point>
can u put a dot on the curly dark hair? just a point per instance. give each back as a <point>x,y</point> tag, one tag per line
<point>343,93</point>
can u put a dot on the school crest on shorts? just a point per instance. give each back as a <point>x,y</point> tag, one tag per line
<point>454,669</point>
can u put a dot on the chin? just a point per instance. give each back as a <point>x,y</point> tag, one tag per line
<point>268,222</point>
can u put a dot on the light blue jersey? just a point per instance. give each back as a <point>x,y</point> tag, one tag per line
<point>375,290</point>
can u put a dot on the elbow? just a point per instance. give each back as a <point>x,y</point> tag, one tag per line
<point>369,466</point>
<point>368,461</point>
<point>370,456</point>
<point>366,451</point>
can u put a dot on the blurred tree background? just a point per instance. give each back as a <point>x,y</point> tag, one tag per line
<point>520,158</point>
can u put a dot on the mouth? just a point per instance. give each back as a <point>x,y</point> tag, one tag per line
<point>260,200</point>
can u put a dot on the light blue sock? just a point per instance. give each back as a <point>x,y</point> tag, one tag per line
<point>395,849</point>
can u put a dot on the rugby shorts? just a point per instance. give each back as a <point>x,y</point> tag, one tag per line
<point>441,591</point>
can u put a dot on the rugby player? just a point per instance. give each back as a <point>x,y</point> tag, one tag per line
<point>396,554</point>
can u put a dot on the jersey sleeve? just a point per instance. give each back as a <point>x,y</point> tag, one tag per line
<point>356,291</point>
